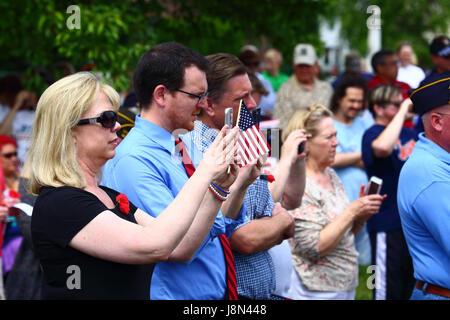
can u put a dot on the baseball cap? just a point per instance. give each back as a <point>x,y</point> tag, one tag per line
<point>304,54</point>
<point>440,46</point>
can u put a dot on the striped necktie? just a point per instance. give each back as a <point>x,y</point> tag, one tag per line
<point>229,258</point>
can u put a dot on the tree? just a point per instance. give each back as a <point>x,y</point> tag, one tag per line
<point>113,34</point>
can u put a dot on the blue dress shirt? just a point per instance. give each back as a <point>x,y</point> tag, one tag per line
<point>424,206</point>
<point>147,169</point>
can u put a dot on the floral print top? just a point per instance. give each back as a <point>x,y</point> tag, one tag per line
<point>338,270</point>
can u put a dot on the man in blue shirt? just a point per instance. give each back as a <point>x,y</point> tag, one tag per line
<point>385,148</point>
<point>171,86</point>
<point>347,103</point>
<point>424,192</point>
<point>267,223</point>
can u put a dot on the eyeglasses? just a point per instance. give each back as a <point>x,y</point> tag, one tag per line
<point>443,114</point>
<point>9,155</point>
<point>200,98</point>
<point>107,119</point>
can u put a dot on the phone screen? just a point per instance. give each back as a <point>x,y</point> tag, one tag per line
<point>373,188</point>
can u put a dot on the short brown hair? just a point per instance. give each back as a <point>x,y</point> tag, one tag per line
<point>223,67</point>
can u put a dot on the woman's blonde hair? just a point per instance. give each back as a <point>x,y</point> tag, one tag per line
<point>52,159</point>
<point>306,119</point>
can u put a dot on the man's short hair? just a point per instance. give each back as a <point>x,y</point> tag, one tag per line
<point>380,58</point>
<point>164,64</point>
<point>223,67</point>
<point>350,81</point>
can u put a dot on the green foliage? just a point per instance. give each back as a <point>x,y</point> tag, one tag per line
<point>362,292</point>
<point>113,34</point>
<point>34,35</point>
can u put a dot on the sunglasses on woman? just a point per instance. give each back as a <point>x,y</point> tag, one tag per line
<point>9,155</point>
<point>107,119</point>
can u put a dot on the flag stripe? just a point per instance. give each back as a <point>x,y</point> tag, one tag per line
<point>255,139</point>
<point>252,142</point>
<point>249,143</point>
<point>263,146</point>
<point>243,155</point>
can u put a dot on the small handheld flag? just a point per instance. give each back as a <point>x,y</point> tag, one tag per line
<point>252,143</point>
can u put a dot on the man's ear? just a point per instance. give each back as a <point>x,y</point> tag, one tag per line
<point>436,121</point>
<point>209,110</point>
<point>160,95</point>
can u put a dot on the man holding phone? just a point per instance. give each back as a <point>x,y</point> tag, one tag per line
<point>170,83</point>
<point>267,224</point>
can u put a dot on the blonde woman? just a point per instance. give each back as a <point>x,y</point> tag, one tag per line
<point>92,243</point>
<point>323,246</point>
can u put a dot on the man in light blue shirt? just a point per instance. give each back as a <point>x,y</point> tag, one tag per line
<point>424,192</point>
<point>347,103</point>
<point>170,83</point>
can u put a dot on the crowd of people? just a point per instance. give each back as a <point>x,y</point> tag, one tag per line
<point>141,196</point>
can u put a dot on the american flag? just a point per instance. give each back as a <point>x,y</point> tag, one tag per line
<point>251,143</point>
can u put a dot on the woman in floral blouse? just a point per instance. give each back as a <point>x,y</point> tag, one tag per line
<point>323,246</point>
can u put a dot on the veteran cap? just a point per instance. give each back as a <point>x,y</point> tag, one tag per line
<point>433,92</point>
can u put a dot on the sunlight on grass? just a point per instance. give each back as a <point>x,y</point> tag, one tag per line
<point>362,292</point>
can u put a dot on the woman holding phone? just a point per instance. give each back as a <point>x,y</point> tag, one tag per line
<point>323,246</point>
<point>91,241</point>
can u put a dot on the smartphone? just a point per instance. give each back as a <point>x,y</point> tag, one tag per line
<point>301,147</point>
<point>229,122</point>
<point>374,186</point>
<point>229,117</point>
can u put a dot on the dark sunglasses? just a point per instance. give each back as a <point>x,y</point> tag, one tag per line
<point>200,98</point>
<point>9,155</point>
<point>107,119</point>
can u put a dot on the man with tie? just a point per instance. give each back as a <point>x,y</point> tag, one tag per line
<point>151,166</point>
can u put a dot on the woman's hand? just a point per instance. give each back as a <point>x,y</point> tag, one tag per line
<point>290,146</point>
<point>366,206</point>
<point>221,154</point>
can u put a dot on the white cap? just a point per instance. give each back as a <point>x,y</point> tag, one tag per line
<point>304,54</point>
